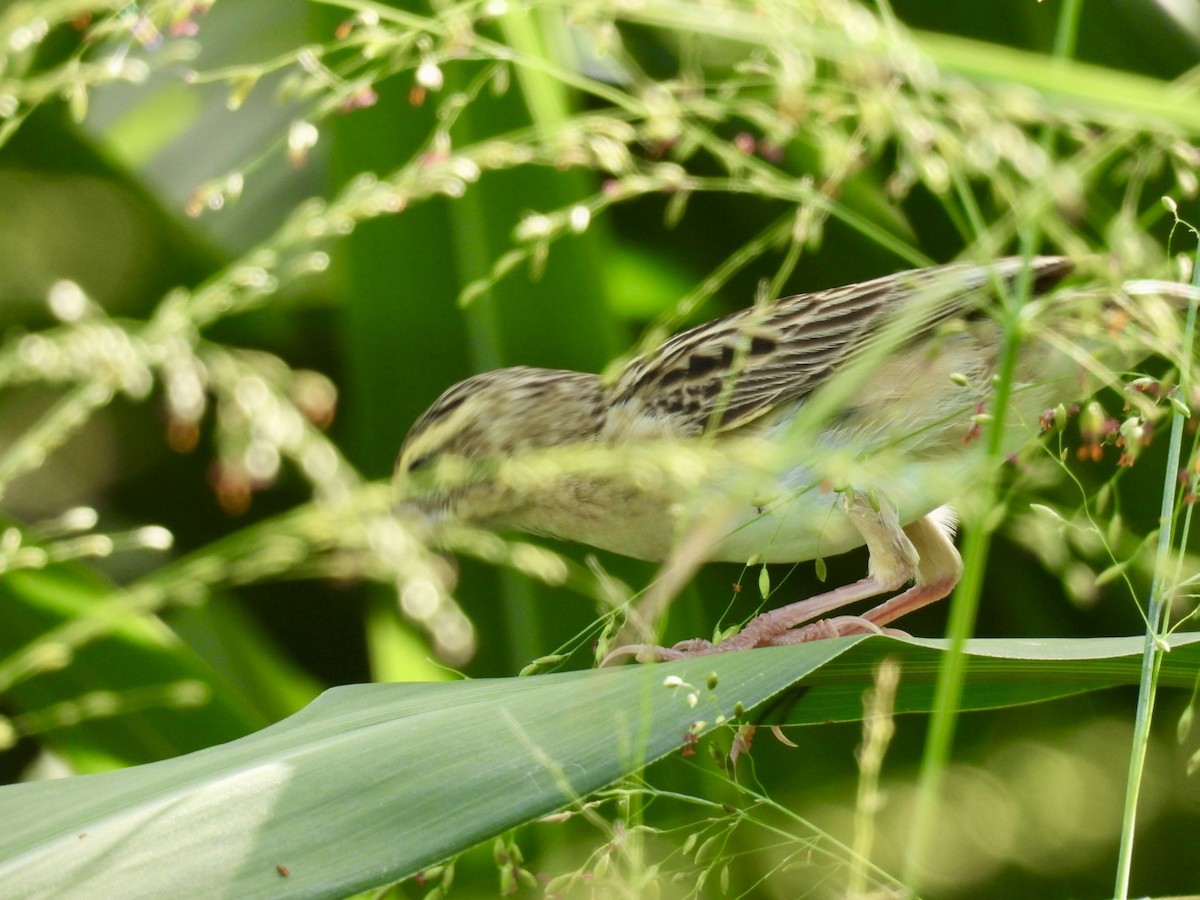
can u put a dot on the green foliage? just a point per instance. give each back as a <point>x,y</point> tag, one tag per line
<point>363,761</point>
<point>242,246</point>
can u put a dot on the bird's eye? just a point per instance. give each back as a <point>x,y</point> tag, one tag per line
<point>421,462</point>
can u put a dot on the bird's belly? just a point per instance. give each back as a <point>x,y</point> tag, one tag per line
<point>791,517</point>
<point>805,520</point>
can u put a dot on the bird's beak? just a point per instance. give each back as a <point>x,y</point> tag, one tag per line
<point>419,515</point>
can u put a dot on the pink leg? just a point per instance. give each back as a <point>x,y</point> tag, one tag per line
<point>937,573</point>
<point>770,626</point>
<point>921,551</point>
<point>872,621</point>
<point>775,627</point>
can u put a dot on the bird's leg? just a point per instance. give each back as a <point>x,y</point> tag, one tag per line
<point>921,552</point>
<point>894,561</point>
<point>938,571</point>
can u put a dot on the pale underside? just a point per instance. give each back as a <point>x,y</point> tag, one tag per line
<point>781,496</point>
<point>786,432</point>
<point>863,394</point>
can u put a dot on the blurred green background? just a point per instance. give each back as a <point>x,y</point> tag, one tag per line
<point>103,198</point>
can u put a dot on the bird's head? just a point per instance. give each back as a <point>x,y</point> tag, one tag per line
<point>448,465</point>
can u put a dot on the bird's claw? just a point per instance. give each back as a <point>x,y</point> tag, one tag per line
<point>838,626</point>
<point>655,653</point>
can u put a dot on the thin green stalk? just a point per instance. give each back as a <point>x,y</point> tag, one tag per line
<point>965,603</point>
<point>879,726</point>
<point>72,411</point>
<point>952,670</point>
<point>545,95</point>
<point>1156,616</point>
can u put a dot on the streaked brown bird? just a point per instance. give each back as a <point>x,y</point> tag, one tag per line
<point>785,432</point>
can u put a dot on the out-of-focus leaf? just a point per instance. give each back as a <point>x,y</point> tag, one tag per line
<point>369,784</point>
<point>134,655</point>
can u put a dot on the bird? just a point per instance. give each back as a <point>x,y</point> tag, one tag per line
<point>783,432</point>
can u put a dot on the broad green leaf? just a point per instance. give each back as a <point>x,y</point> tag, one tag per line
<point>368,784</point>
<point>164,698</point>
<point>1000,672</point>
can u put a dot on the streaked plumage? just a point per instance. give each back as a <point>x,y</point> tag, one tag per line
<point>913,355</point>
<point>788,348</point>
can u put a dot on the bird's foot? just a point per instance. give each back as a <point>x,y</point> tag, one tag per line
<point>838,626</point>
<point>922,551</point>
<point>655,653</point>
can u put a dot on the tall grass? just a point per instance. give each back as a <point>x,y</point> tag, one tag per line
<point>401,198</point>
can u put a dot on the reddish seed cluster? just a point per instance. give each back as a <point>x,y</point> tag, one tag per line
<point>364,19</point>
<point>976,429</point>
<point>690,740</point>
<point>742,741</point>
<point>1132,446</point>
<point>182,436</point>
<point>233,487</point>
<point>1049,418</point>
<point>770,151</point>
<point>182,23</point>
<point>1149,387</point>
<point>434,157</point>
<point>1189,478</point>
<point>183,28</point>
<point>363,98</point>
<point>748,144</point>
<point>1095,437</point>
<point>1097,429</point>
<point>659,148</point>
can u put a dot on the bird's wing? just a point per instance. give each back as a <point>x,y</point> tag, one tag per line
<point>727,373</point>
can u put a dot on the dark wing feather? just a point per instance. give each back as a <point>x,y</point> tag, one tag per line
<point>726,373</point>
